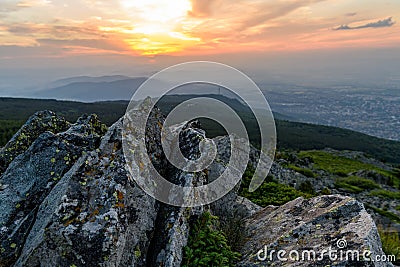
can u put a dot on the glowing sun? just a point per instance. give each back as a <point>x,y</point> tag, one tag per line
<point>159,24</point>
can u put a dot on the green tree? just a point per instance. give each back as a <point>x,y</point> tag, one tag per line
<point>207,246</point>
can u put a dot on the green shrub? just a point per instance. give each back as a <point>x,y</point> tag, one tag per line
<point>355,184</point>
<point>393,217</point>
<point>396,172</point>
<point>307,187</point>
<point>390,243</point>
<point>339,165</point>
<point>341,173</point>
<point>304,171</point>
<point>284,155</point>
<point>232,225</point>
<point>325,191</point>
<point>386,194</point>
<point>348,188</point>
<point>208,246</point>
<point>270,192</point>
<point>7,129</point>
<point>396,175</point>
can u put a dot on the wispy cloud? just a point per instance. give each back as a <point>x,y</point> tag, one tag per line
<point>13,5</point>
<point>8,6</point>
<point>31,3</point>
<point>376,24</point>
<point>244,13</point>
<point>351,14</point>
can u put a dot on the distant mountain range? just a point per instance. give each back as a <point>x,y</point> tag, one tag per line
<point>91,89</point>
<point>111,88</point>
<point>87,79</point>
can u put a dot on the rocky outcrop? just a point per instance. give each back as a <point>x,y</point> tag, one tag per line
<point>66,199</point>
<point>303,227</point>
<point>95,216</point>
<point>171,235</point>
<point>39,123</point>
<point>69,201</point>
<point>382,177</point>
<point>33,174</point>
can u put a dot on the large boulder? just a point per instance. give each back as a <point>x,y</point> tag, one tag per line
<point>324,223</point>
<point>37,124</point>
<point>33,174</point>
<point>95,216</point>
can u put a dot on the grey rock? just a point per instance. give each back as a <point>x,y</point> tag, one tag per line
<point>37,124</point>
<point>32,175</point>
<point>171,235</point>
<point>315,224</point>
<point>95,216</point>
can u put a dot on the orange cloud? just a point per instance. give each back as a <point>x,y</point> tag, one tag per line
<point>191,26</point>
<point>31,3</point>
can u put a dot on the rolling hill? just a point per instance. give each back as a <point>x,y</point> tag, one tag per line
<point>291,135</point>
<point>89,89</point>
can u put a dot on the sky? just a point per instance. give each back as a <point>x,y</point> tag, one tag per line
<point>48,39</point>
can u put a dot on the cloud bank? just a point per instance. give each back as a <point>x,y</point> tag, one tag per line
<point>376,24</point>
<point>189,27</point>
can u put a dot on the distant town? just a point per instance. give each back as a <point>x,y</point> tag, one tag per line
<point>372,111</point>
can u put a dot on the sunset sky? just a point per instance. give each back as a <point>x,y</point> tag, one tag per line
<point>42,32</point>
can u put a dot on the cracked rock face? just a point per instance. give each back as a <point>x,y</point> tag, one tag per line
<point>95,216</point>
<point>316,224</point>
<point>171,235</point>
<point>34,173</point>
<point>37,124</point>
